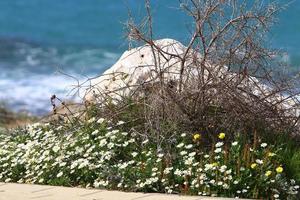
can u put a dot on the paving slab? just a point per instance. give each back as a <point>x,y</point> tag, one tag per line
<point>14,191</point>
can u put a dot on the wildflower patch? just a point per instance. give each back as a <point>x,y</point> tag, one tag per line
<point>99,154</point>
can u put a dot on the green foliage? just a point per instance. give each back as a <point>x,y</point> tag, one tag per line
<point>290,152</point>
<point>105,154</point>
<point>294,165</point>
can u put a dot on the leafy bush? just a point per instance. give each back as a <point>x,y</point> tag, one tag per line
<point>99,153</point>
<point>293,164</point>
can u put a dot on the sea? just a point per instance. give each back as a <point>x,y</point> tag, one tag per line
<point>48,47</point>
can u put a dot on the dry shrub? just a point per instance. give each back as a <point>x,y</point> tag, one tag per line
<point>222,81</point>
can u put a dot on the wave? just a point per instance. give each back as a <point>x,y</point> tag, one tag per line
<point>28,75</point>
<point>39,58</point>
<point>33,94</point>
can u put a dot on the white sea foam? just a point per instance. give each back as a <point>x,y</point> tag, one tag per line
<point>27,79</point>
<point>33,93</point>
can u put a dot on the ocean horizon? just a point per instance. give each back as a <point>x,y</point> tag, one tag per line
<point>41,41</point>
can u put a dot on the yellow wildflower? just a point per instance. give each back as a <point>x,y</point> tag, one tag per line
<point>215,164</point>
<point>268,173</point>
<point>197,136</point>
<point>270,154</point>
<point>279,169</point>
<point>221,136</point>
<point>253,165</point>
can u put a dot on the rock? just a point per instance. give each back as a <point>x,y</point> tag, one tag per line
<point>137,66</point>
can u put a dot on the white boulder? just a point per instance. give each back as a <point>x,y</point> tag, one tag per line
<point>137,66</point>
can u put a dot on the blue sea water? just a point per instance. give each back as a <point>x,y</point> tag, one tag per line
<point>38,38</point>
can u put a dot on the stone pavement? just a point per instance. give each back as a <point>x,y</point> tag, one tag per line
<point>13,191</point>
